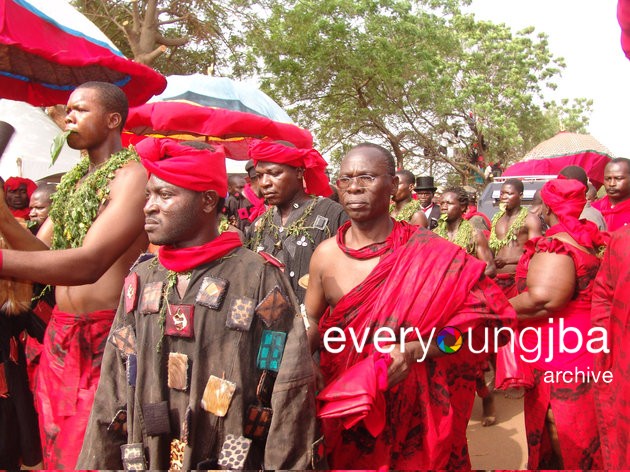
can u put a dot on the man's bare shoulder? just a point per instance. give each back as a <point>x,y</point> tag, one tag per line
<point>130,178</point>
<point>327,248</point>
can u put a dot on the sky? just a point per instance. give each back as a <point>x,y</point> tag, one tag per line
<point>587,35</point>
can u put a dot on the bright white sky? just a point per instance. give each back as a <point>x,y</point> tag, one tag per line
<point>587,35</point>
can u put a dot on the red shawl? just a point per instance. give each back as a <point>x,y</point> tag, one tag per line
<point>424,282</point>
<point>184,259</point>
<point>473,211</point>
<point>611,310</point>
<point>616,216</point>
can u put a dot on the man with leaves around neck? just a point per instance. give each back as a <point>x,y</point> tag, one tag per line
<point>381,273</point>
<point>96,225</point>
<point>511,228</point>
<point>207,365</point>
<point>293,182</point>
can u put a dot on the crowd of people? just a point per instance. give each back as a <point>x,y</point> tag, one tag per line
<point>272,327</point>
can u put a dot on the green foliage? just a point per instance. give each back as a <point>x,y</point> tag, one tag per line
<point>417,76</point>
<point>199,36</point>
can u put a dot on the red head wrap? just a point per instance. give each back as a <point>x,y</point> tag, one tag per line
<point>13,183</point>
<point>315,178</point>
<point>566,199</point>
<point>184,166</point>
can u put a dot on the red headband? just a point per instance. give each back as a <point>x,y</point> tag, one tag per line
<point>185,166</point>
<point>315,178</point>
<point>13,183</point>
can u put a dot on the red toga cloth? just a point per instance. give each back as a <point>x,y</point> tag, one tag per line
<point>579,441</point>
<point>616,217</point>
<point>611,310</point>
<point>67,377</point>
<point>426,282</point>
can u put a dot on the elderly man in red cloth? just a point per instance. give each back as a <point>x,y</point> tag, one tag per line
<point>555,280</point>
<point>294,183</point>
<point>615,206</point>
<point>96,231</point>
<point>18,193</point>
<point>378,273</point>
<point>611,311</point>
<point>206,366</point>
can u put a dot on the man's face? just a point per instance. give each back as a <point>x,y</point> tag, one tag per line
<point>17,199</point>
<point>172,214</point>
<point>617,182</point>
<point>237,184</point>
<point>278,183</point>
<point>510,196</point>
<point>449,205</point>
<point>425,197</point>
<point>363,203</point>
<point>87,118</point>
<point>404,189</point>
<point>40,205</point>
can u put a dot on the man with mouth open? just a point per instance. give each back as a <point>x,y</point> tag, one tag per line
<point>294,183</point>
<point>379,272</point>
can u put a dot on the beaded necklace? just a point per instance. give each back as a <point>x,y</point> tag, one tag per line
<point>76,205</point>
<point>297,228</point>
<point>511,234</point>
<point>406,211</point>
<point>463,235</point>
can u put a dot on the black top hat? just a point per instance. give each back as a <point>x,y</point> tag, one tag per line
<point>425,182</point>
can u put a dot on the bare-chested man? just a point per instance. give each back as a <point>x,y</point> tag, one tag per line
<point>512,227</point>
<point>381,273</point>
<point>97,226</point>
<point>404,207</point>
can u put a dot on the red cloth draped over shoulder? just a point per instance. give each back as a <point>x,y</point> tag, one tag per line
<point>615,216</point>
<point>611,310</point>
<point>423,282</point>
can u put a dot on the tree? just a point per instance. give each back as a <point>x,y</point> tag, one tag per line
<point>173,36</point>
<point>433,84</point>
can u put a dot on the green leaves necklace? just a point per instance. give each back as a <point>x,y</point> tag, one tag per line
<point>76,203</point>
<point>511,234</point>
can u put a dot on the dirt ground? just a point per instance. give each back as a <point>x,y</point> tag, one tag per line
<point>502,445</point>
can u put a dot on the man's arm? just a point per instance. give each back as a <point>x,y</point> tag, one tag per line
<point>485,254</point>
<point>532,223</point>
<point>119,224</point>
<point>315,299</point>
<point>550,286</point>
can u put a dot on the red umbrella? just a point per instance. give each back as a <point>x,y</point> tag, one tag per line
<point>47,49</point>
<point>214,109</point>
<point>623,16</point>
<point>564,149</point>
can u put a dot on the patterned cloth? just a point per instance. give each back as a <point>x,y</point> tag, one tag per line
<point>611,310</point>
<point>67,376</point>
<point>579,441</point>
<point>295,248</point>
<point>244,334</point>
<point>423,282</point>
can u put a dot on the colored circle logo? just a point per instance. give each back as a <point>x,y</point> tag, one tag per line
<point>449,340</point>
